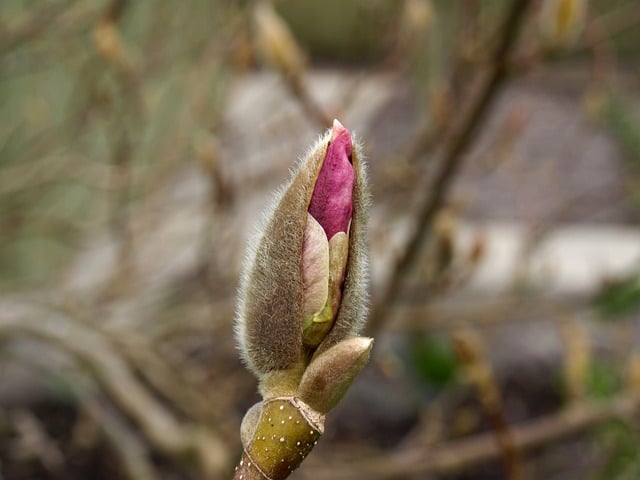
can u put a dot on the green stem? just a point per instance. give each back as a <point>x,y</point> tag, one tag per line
<point>279,437</point>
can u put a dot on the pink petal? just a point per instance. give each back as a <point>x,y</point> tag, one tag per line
<point>332,200</point>
<point>315,267</point>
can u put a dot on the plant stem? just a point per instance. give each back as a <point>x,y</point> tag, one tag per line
<point>285,431</point>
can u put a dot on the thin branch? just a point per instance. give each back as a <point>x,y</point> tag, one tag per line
<point>157,423</point>
<point>472,356</point>
<point>36,24</point>
<point>298,87</point>
<point>452,158</point>
<point>447,314</point>
<point>132,452</point>
<point>456,456</point>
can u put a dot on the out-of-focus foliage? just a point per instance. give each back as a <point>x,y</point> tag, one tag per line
<point>603,380</point>
<point>69,113</point>
<point>620,439</point>
<point>433,359</point>
<point>619,297</point>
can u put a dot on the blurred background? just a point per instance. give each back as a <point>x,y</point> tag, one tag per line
<point>139,142</point>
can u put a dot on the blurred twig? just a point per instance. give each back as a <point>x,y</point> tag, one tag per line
<point>577,358</point>
<point>454,456</point>
<point>129,448</point>
<point>478,371</point>
<point>110,46</point>
<point>38,21</point>
<point>280,50</point>
<point>157,422</point>
<point>34,441</point>
<point>463,133</point>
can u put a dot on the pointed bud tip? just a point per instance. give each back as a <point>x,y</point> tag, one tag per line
<point>338,129</point>
<point>363,342</point>
<point>329,375</point>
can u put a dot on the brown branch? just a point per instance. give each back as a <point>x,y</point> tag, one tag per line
<point>455,456</point>
<point>38,23</point>
<point>446,314</point>
<point>472,356</point>
<point>159,425</point>
<point>34,440</point>
<point>298,88</point>
<point>132,452</point>
<point>452,158</point>
<point>168,382</point>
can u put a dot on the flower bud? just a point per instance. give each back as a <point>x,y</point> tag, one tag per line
<point>562,22</point>
<point>109,42</point>
<point>327,378</point>
<point>302,293</point>
<point>330,209</point>
<point>304,282</point>
<point>275,42</point>
<point>332,200</point>
<point>415,22</point>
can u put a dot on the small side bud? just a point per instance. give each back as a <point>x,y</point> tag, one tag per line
<point>330,374</point>
<point>275,42</point>
<point>562,22</point>
<point>415,22</point>
<point>109,42</point>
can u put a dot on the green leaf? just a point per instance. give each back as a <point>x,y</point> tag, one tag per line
<point>619,297</point>
<point>433,359</point>
<point>603,380</point>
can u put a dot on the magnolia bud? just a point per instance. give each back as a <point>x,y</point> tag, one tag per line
<point>416,19</point>
<point>562,22</point>
<point>304,283</point>
<point>275,42</point>
<point>108,41</point>
<point>302,294</point>
<point>327,378</point>
<point>330,214</point>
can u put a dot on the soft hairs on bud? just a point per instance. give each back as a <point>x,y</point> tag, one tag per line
<point>270,306</point>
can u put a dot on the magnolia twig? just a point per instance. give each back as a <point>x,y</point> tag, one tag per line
<point>577,357</point>
<point>41,20</point>
<point>157,423</point>
<point>471,353</point>
<point>162,377</point>
<point>439,315</point>
<point>279,48</point>
<point>35,441</point>
<point>111,48</point>
<point>130,449</point>
<point>458,455</point>
<point>464,132</point>
<point>298,87</point>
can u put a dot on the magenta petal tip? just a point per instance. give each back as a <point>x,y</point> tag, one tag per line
<point>331,203</point>
<point>338,129</point>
